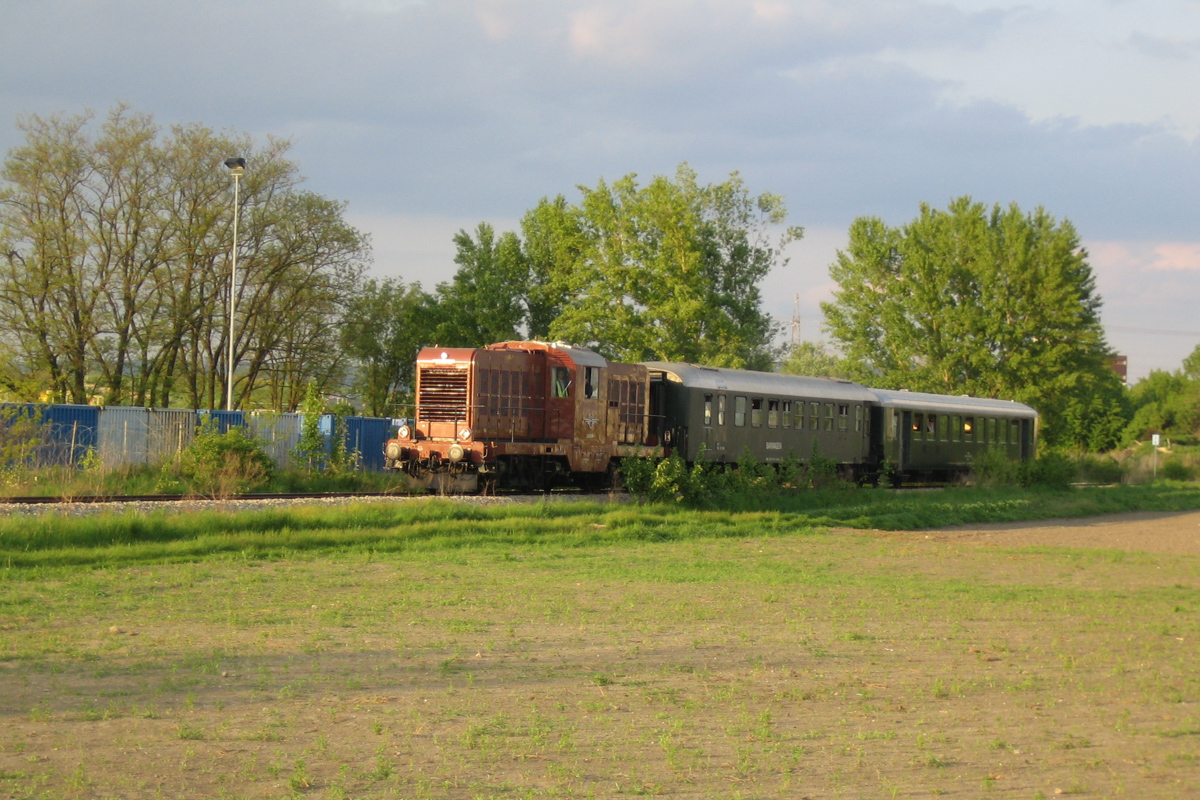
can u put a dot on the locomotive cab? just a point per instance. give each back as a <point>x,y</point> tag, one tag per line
<point>520,414</point>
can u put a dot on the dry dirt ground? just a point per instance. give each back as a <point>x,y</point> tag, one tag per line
<point>1175,533</point>
<point>1026,661</point>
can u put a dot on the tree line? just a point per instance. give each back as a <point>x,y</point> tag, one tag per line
<point>115,243</point>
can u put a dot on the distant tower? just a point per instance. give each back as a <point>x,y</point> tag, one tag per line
<point>796,322</point>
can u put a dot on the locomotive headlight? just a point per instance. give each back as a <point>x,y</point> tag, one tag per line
<point>455,453</point>
<point>464,434</point>
<point>393,450</point>
<point>403,433</point>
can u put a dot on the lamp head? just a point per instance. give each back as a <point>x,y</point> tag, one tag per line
<point>236,165</point>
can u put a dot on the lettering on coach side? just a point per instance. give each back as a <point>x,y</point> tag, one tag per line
<point>774,445</point>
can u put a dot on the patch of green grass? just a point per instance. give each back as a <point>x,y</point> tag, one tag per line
<point>432,526</point>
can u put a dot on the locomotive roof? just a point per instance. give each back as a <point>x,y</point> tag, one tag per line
<point>580,355</point>
<point>762,383</point>
<point>919,401</point>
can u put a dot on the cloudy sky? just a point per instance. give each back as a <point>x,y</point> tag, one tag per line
<point>431,115</point>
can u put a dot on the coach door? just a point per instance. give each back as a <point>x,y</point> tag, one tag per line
<point>713,411</point>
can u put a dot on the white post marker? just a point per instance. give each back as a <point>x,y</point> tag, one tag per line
<point>1155,439</point>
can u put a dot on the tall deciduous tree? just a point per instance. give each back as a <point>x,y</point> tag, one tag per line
<point>387,323</point>
<point>666,271</point>
<point>114,268</point>
<point>990,302</point>
<point>484,301</point>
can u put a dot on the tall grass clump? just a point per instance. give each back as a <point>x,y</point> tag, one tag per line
<point>745,484</point>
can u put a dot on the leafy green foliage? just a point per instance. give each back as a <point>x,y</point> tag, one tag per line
<point>484,301</point>
<point>310,450</point>
<point>815,360</point>
<point>669,270</point>
<point>223,464</point>
<point>992,303</point>
<point>1167,403</point>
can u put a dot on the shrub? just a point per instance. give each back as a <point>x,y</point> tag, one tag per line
<point>1098,469</point>
<point>1051,470</point>
<point>995,468</point>
<point>223,464</point>
<point>1176,470</point>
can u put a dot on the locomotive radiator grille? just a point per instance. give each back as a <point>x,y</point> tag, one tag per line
<point>443,395</point>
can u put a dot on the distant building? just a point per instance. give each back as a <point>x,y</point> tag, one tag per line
<point>1119,365</point>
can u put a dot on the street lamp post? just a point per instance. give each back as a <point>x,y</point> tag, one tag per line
<point>236,167</point>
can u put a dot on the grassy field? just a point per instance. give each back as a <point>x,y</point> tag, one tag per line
<point>586,650</point>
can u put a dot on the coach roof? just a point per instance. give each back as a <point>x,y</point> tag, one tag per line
<point>950,404</point>
<point>772,384</point>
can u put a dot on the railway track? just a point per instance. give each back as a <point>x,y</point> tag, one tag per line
<point>168,498</point>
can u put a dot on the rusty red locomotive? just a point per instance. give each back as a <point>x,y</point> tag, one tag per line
<point>522,414</point>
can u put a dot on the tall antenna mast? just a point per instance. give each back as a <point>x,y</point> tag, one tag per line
<point>796,322</point>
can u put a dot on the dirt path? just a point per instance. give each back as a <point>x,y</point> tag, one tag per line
<point>1176,533</point>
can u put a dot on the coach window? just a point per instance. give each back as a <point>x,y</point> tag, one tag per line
<point>813,416</point>
<point>858,419</point>
<point>720,409</point>
<point>931,427</point>
<point>708,410</point>
<point>787,413</point>
<point>591,382</point>
<point>829,416</point>
<point>756,412</point>
<point>1002,425</point>
<point>969,429</point>
<point>991,430</point>
<point>918,430</point>
<point>739,412</point>
<point>772,413</point>
<point>1014,433</point>
<point>956,428</point>
<point>943,425</point>
<point>843,417</point>
<point>562,382</point>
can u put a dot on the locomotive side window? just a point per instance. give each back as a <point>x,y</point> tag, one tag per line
<point>772,413</point>
<point>720,409</point>
<point>708,410</point>
<point>562,382</point>
<point>829,416</point>
<point>813,416</point>
<point>787,413</point>
<point>756,412</point>
<point>918,426</point>
<point>591,382</point>
<point>739,411</point>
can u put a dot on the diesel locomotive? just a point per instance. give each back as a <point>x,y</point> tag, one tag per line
<point>536,414</point>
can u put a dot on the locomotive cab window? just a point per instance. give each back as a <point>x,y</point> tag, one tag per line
<point>562,382</point>
<point>708,410</point>
<point>591,382</point>
<point>772,413</point>
<point>756,412</point>
<point>739,412</point>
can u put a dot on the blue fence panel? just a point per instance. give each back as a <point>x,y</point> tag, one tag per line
<point>367,435</point>
<point>66,432</point>
<point>224,419</point>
